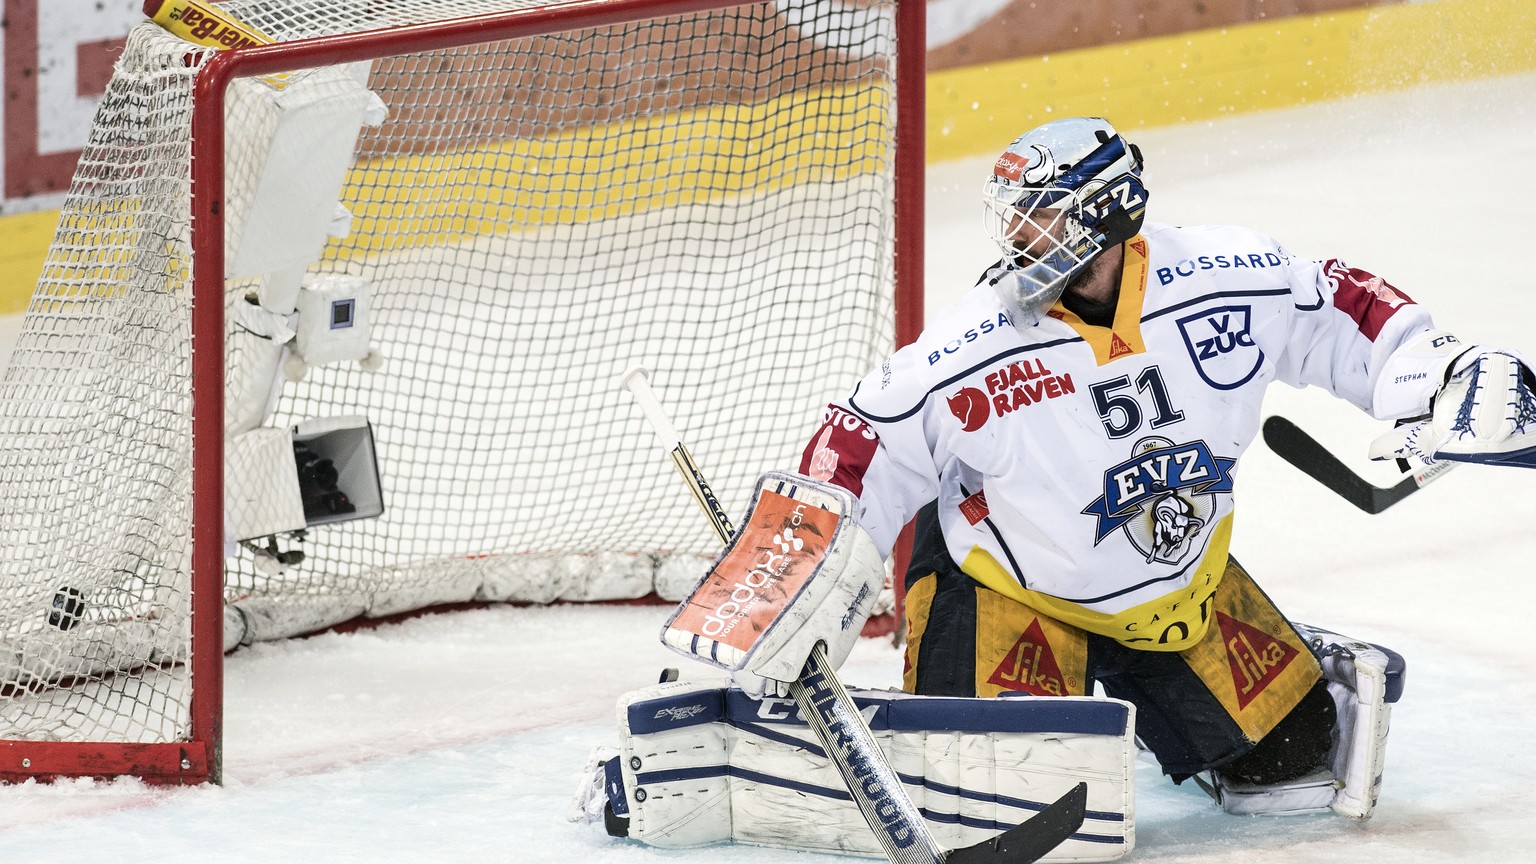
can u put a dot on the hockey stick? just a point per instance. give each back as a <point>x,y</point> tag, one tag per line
<point>827,708</point>
<point>1302,450</point>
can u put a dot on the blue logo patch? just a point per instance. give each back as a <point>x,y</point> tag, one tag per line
<point>1162,496</point>
<point>1221,344</point>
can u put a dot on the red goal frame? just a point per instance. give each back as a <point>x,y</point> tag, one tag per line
<point>199,758</point>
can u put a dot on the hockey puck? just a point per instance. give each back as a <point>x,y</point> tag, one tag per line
<point>68,608</point>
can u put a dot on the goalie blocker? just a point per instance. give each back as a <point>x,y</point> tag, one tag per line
<point>701,764</point>
<point>799,571</point>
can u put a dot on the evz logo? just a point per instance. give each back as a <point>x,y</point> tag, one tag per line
<point>1162,497</point>
<point>1220,341</point>
<point>1127,192</point>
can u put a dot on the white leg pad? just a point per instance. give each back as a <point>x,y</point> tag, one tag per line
<point>1364,680</point>
<point>1311,794</point>
<point>701,764</point>
<point>1357,680</point>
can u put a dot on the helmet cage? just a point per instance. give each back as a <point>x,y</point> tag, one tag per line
<point>1045,238</point>
<point>1035,224</point>
<point>1059,197</point>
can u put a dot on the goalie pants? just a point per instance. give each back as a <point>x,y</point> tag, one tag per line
<point>1248,698</point>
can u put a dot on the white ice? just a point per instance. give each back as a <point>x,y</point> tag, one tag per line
<point>460,737</point>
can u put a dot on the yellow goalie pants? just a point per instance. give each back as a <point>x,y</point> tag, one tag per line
<point>1196,709</point>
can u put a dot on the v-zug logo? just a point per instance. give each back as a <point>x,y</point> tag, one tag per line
<point>1162,497</point>
<point>1220,342</point>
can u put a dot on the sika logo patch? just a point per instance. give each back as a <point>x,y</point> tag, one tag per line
<point>1030,666</point>
<point>1255,657</point>
<point>1117,346</point>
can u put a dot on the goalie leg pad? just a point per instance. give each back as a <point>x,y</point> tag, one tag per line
<point>1314,793</point>
<point>702,764</point>
<point>1364,681</point>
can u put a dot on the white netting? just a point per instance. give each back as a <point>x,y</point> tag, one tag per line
<point>708,195</point>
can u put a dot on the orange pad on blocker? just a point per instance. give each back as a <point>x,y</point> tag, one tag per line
<point>768,563</point>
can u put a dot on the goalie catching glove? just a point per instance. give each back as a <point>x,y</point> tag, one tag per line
<point>1484,412</point>
<point>800,570</point>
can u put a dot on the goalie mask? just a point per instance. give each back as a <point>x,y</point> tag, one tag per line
<point>1058,197</point>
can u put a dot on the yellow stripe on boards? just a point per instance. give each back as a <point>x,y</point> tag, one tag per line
<point>24,240</point>
<point>971,111</point>
<point>618,170</point>
<point>1206,74</point>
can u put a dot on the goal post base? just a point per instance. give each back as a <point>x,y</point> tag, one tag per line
<point>159,764</point>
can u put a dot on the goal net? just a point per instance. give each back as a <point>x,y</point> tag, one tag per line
<point>438,247</point>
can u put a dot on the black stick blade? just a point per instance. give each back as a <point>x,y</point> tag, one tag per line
<point>1032,840</point>
<point>1302,450</point>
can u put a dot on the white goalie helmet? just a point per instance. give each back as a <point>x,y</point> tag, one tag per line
<point>1059,196</point>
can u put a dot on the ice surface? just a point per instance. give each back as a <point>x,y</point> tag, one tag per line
<point>460,737</point>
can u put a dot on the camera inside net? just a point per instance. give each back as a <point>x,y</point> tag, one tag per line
<point>318,479</point>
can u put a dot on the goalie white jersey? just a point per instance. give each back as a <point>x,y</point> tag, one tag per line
<point>1088,470</point>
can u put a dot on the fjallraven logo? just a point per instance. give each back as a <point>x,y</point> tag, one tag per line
<point>1009,388</point>
<point>970,407</point>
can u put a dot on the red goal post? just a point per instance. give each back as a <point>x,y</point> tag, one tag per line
<point>187,747</point>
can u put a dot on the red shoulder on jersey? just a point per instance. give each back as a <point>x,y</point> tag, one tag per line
<point>841,450</point>
<point>1365,297</point>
